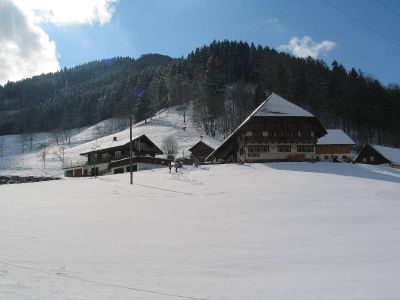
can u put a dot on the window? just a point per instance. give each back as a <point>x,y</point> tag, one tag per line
<point>249,133</point>
<point>69,173</point>
<point>284,148</point>
<point>257,148</point>
<point>104,156</point>
<point>305,148</point>
<point>117,154</point>
<point>265,133</point>
<point>326,157</point>
<point>371,158</point>
<point>364,159</point>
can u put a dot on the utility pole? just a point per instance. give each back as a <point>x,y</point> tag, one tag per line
<point>130,149</point>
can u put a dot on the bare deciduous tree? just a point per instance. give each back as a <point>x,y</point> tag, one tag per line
<point>170,146</point>
<point>60,152</point>
<point>44,151</point>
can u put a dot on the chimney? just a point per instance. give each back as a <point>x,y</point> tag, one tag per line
<point>201,138</point>
<point>114,138</point>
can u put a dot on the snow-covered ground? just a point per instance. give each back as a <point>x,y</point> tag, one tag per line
<point>164,123</point>
<point>258,231</point>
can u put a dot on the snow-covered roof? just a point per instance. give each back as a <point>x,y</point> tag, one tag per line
<point>335,137</point>
<point>392,154</point>
<point>276,106</point>
<point>108,142</point>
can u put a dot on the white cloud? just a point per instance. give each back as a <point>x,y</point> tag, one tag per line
<point>67,12</point>
<point>25,48</point>
<point>305,46</point>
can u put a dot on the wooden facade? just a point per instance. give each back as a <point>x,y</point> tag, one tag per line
<point>334,152</point>
<point>335,146</point>
<point>116,157</point>
<point>369,155</point>
<point>289,134</point>
<point>200,151</point>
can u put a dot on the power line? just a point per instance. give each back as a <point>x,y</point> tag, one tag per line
<point>370,28</point>
<point>102,283</point>
<point>388,7</point>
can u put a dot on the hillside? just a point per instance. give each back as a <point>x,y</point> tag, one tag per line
<point>223,81</point>
<point>282,230</point>
<point>165,123</point>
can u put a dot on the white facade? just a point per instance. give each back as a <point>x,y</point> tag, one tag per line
<point>136,167</point>
<point>275,151</point>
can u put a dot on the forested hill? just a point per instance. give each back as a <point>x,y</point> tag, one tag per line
<point>222,81</point>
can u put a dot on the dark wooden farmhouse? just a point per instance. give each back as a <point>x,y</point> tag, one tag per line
<point>113,158</point>
<point>277,130</point>
<point>378,155</point>
<point>336,145</point>
<point>200,151</point>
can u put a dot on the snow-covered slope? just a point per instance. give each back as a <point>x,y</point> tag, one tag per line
<point>164,123</point>
<point>259,231</point>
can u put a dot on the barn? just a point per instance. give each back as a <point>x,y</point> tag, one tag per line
<point>277,130</point>
<point>336,145</point>
<point>377,155</point>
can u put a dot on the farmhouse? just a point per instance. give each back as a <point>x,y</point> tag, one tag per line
<point>200,151</point>
<point>277,130</point>
<point>113,158</point>
<point>377,155</point>
<point>336,145</point>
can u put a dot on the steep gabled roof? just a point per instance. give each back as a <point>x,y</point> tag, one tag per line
<point>201,144</point>
<point>335,137</point>
<point>391,154</point>
<point>115,145</point>
<point>274,106</point>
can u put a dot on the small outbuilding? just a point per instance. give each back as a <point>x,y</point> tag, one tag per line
<point>378,155</point>
<point>200,151</point>
<point>336,145</point>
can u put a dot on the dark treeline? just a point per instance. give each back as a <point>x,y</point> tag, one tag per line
<point>222,82</point>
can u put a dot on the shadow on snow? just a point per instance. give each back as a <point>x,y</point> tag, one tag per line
<point>342,169</point>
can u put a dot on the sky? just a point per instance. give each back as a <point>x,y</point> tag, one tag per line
<point>40,36</point>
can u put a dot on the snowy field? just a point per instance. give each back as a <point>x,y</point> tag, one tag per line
<point>258,231</point>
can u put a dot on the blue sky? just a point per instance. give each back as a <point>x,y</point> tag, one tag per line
<point>175,27</point>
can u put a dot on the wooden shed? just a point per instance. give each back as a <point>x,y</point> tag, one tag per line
<point>200,151</point>
<point>336,145</point>
<point>377,155</point>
